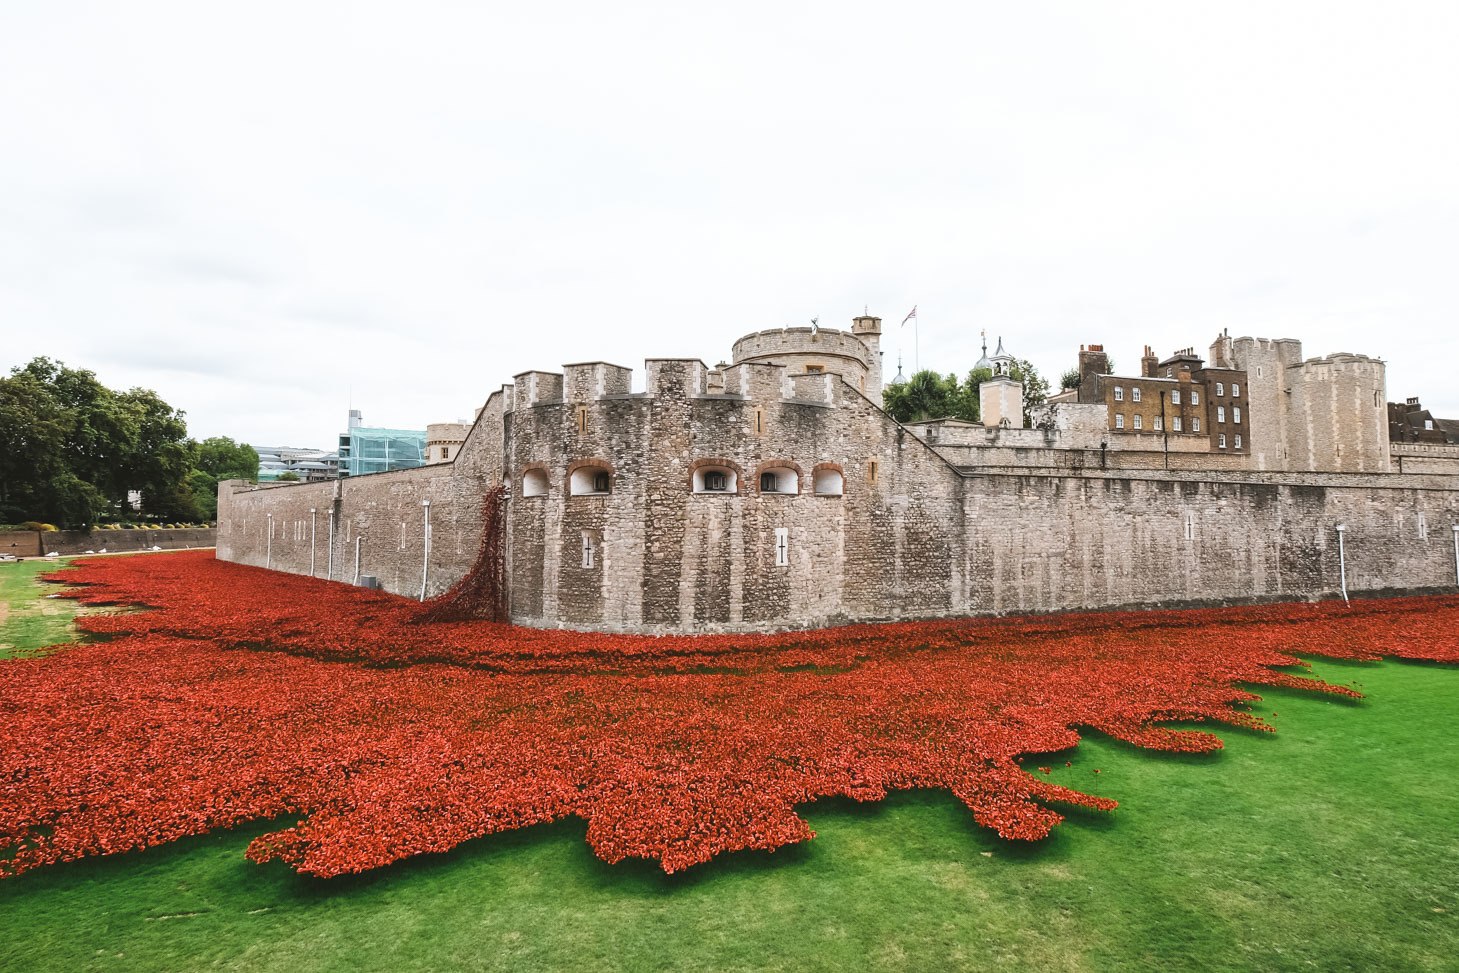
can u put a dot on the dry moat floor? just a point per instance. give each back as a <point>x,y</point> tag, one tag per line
<point>1332,843</point>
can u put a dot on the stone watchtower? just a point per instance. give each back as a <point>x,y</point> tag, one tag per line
<point>867,327</point>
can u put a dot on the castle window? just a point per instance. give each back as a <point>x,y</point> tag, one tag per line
<point>782,546</point>
<point>779,479</point>
<point>1159,423</point>
<point>759,421</point>
<point>534,483</point>
<point>1195,396</point>
<point>814,369</point>
<point>1236,413</point>
<point>1236,390</point>
<point>1119,393</point>
<point>1195,424</point>
<point>1220,388</point>
<point>716,479</point>
<point>590,481</point>
<point>1138,421</point>
<point>1238,440</point>
<point>1220,413</point>
<point>1428,425</point>
<point>1221,440</point>
<point>1134,395</point>
<point>1175,423</point>
<point>1175,397</point>
<point>1423,528</point>
<point>1169,372</point>
<point>828,483</point>
<point>1119,421</point>
<point>445,452</point>
<point>1190,526</point>
<point>590,549</point>
<point>871,471</point>
<point>582,419</point>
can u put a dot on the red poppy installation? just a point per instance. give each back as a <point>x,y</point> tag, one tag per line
<point>245,695</point>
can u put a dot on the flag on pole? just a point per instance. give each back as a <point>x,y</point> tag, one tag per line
<point>910,315</point>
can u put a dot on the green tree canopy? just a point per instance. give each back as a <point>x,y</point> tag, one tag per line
<point>71,448</point>
<point>928,395</point>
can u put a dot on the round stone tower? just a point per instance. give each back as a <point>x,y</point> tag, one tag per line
<point>854,355</point>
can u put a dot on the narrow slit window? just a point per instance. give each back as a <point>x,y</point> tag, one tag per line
<point>782,546</point>
<point>871,471</point>
<point>582,419</point>
<point>590,550</point>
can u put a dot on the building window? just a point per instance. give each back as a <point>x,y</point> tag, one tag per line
<point>1428,425</point>
<point>782,546</point>
<point>534,483</point>
<point>1169,372</point>
<point>779,479</point>
<point>814,369</point>
<point>1159,424</point>
<point>1195,424</point>
<point>590,550</point>
<point>1236,413</point>
<point>1220,388</point>
<point>590,480</point>
<point>1190,526</point>
<point>1423,528</point>
<point>1175,396</point>
<point>1195,397</point>
<point>758,421</point>
<point>827,482</point>
<point>1134,395</point>
<point>872,471</point>
<point>1221,440</point>
<point>1235,390</point>
<point>1119,393</point>
<point>445,452</point>
<point>715,481</point>
<point>1119,422</point>
<point>1237,440</point>
<point>1139,421</point>
<point>1175,423</point>
<point>582,419</point>
<point>1220,413</point>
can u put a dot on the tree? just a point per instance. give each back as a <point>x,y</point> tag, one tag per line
<point>1069,380</point>
<point>71,448</point>
<point>926,395</point>
<point>215,459</point>
<point>288,476</point>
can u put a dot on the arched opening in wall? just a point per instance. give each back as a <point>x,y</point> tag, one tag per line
<point>534,483</point>
<point>779,480</point>
<point>590,480</point>
<point>827,481</point>
<point>716,479</point>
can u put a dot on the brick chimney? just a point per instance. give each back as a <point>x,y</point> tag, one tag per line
<point>1093,362</point>
<point>1149,364</point>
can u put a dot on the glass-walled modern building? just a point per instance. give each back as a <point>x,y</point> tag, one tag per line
<point>366,449</point>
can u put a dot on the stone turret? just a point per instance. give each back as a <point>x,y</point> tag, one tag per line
<point>867,327</point>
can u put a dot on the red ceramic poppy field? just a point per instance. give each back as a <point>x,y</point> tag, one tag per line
<point>246,695</point>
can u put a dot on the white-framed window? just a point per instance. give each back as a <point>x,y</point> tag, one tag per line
<point>1428,425</point>
<point>715,479</point>
<point>1220,388</point>
<point>590,481</point>
<point>1159,423</point>
<point>1236,390</point>
<point>1175,396</point>
<point>1220,413</point>
<point>590,549</point>
<point>1139,422</point>
<point>1196,424</point>
<point>780,479</point>
<point>782,546</point>
<point>534,483</point>
<point>1221,440</point>
<point>828,482</point>
<point>1119,393</point>
<point>1119,421</point>
<point>1134,395</point>
<point>1195,397</point>
<point>1236,413</point>
<point>1237,441</point>
<point>1175,423</point>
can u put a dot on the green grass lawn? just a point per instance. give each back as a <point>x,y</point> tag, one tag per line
<point>1331,845</point>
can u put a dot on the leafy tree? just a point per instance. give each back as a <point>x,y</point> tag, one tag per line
<point>1069,380</point>
<point>289,476</point>
<point>926,395</point>
<point>215,459</point>
<point>71,448</point>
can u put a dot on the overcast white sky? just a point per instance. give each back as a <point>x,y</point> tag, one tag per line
<point>265,211</point>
